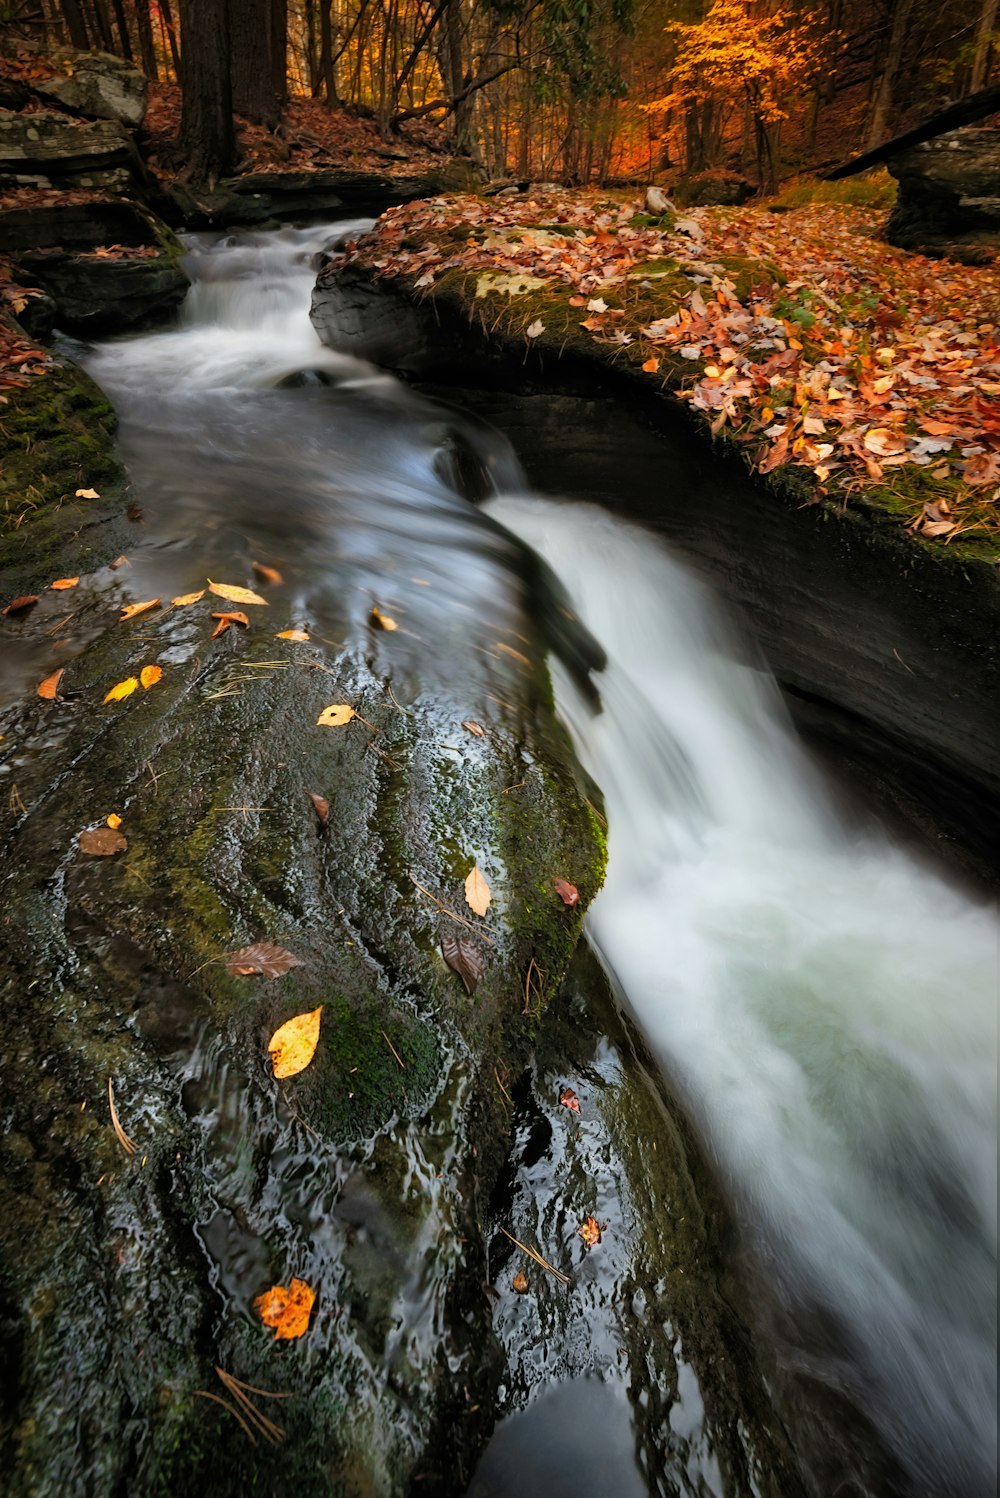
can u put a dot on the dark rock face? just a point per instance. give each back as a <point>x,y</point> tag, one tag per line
<point>701,189</point>
<point>52,150</point>
<point>949,197</point>
<point>99,85</point>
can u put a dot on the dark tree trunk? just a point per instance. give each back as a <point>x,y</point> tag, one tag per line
<point>252,61</point>
<point>166,17</point>
<point>101,26</point>
<point>75,24</point>
<point>326,53</point>
<point>207,109</point>
<point>144,27</point>
<point>962,112</point>
<point>121,24</point>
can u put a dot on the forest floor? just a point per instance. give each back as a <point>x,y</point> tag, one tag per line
<point>869,372</point>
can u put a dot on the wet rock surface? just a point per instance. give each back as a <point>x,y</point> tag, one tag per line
<point>949,196</point>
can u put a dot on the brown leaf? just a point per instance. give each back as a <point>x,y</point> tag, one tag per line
<point>122,689</point>
<point>464,959</point>
<point>49,688</point>
<point>569,1099</point>
<point>131,609</point>
<point>16,605</point>
<point>291,634</point>
<point>121,561</point>
<point>263,959</point>
<point>520,1282</point>
<point>474,728</point>
<point>287,1311</point>
<point>322,806</point>
<point>101,842</point>
<point>267,574</point>
<point>293,1044</point>
<point>149,676</point>
<point>568,893</point>
<point>477,892</point>
<point>884,441</point>
<point>61,583</point>
<point>134,512</point>
<point>234,594</point>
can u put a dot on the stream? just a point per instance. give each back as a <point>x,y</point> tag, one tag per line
<point>820,1005</point>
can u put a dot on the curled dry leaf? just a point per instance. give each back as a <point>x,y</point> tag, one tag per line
<point>122,689</point>
<point>131,609</point>
<point>568,893</point>
<point>234,594</point>
<point>61,583</point>
<point>293,1044</point>
<point>322,806</point>
<point>464,959</point>
<point>101,842</point>
<point>535,328</point>
<point>475,728</point>
<point>477,892</point>
<point>335,716</point>
<point>569,1099</point>
<point>150,675</point>
<point>262,959</point>
<point>291,634</point>
<point>286,1310</point>
<point>267,574</point>
<point>590,1231</point>
<point>185,598</point>
<point>380,620</point>
<point>87,494</point>
<point>114,821</point>
<point>121,561</point>
<point>16,605</point>
<point>49,688</point>
<point>225,620</point>
<point>520,1282</point>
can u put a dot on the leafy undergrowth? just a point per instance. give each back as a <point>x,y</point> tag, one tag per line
<point>864,372</point>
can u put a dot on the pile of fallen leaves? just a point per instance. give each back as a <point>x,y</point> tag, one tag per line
<point>875,370</point>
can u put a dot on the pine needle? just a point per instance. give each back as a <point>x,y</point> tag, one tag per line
<point>127,1144</point>
<point>241,1392</point>
<point>534,1254</point>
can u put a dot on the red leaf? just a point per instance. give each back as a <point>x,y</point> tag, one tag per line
<point>568,893</point>
<point>569,1099</point>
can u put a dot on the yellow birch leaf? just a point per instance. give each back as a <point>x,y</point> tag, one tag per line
<point>293,1044</point>
<point>382,621</point>
<point>122,689</point>
<point>114,821</point>
<point>291,634</point>
<point>477,891</point>
<point>286,1310</point>
<point>64,582</point>
<point>183,598</point>
<point>335,716</point>
<point>131,609</point>
<point>150,675</point>
<point>87,494</point>
<point>235,595</point>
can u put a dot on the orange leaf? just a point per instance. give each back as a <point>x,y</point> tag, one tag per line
<point>590,1231</point>
<point>287,1311</point>
<point>234,594</point>
<point>17,604</point>
<point>225,620</point>
<point>131,609</point>
<point>114,821</point>
<point>293,1044</point>
<point>884,441</point>
<point>291,634</point>
<point>183,598</point>
<point>380,620</point>
<point>267,574</point>
<point>149,676</point>
<point>64,582</point>
<point>477,891</point>
<point>652,364</point>
<point>49,688</point>
<point>520,1282</point>
<point>122,689</point>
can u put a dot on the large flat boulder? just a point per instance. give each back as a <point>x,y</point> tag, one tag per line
<point>949,196</point>
<point>98,85</point>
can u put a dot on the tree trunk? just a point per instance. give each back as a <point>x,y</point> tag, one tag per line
<point>144,27</point>
<point>167,22</point>
<point>326,54</point>
<point>885,92</point>
<point>984,31</point>
<point>121,25</point>
<point>207,110</point>
<point>75,24</point>
<point>252,65</point>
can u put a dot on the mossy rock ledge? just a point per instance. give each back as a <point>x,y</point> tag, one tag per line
<point>126,1278</point>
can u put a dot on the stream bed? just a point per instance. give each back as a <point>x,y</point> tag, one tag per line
<point>782,1036</point>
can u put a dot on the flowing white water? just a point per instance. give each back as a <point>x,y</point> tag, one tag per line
<point>825,1007</point>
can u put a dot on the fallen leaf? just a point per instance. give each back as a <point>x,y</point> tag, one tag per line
<point>102,842</point>
<point>380,620</point>
<point>24,602</point>
<point>293,1044</point>
<point>597,304</point>
<point>184,598</point>
<point>121,561</point>
<point>287,1311</point>
<point>520,1282</point>
<point>651,365</point>
<point>477,891</point>
<point>335,716</point>
<point>464,959</point>
<point>150,675</point>
<point>87,494</point>
<point>291,634</point>
<point>50,686</point>
<point>131,609</point>
<point>884,441</point>
<point>569,1099</point>
<point>568,893</point>
<point>474,728</point>
<point>534,328</point>
<point>122,689</point>
<point>590,1231</point>
<point>225,620</point>
<point>233,594</point>
<point>322,806</point>
<point>134,512</point>
<point>62,583</point>
<point>114,821</point>
<point>267,574</point>
<point>263,959</point>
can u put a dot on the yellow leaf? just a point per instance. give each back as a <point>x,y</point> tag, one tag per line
<point>477,891</point>
<point>149,676</point>
<point>288,1310</point>
<point>87,494</point>
<point>380,620</point>
<point>335,716</point>
<point>293,1044</point>
<point>291,634</point>
<point>184,598</point>
<point>114,821</point>
<point>122,689</point>
<point>235,595</point>
<point>64,582</point>
<point>131,609</point>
